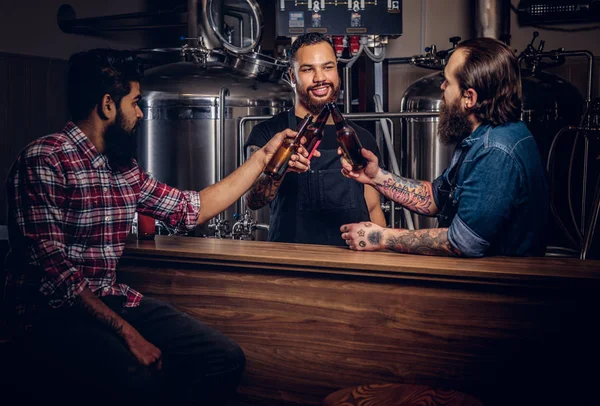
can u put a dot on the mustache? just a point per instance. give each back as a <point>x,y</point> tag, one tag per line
<point>320,84</point>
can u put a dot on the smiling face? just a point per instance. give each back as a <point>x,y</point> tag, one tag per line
<point>315,77</point>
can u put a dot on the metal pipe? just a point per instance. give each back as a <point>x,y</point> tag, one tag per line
<point>586,238</point>
<point>589,236</point>
<point>394,160</point>
<point>586,149</point>
<point>590,77</point>
<point>554,54</point>
<point>492,18</point>
<point>399,61</point>
<point>192,8</point>
<point>219,155</point>
<point>347,89</point>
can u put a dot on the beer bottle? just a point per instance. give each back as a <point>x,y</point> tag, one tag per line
<point>347,139</point>
<point>314,135</point>
<point>278,165</point>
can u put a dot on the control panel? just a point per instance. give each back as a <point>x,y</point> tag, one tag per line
<point>339,17</point>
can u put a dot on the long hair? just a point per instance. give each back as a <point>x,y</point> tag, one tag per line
<point>92,74</point>
<point>492,70</point>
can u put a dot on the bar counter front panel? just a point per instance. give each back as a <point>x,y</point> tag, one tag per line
<point>312,319</point>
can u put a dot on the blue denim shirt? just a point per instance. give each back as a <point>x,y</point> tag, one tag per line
<point>501,193</point>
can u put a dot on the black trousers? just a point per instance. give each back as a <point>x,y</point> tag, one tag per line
<point>76,356</point>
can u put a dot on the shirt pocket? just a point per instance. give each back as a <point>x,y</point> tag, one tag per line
<point>338,192</point>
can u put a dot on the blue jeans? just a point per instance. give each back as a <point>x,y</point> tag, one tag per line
<point>199,364</point>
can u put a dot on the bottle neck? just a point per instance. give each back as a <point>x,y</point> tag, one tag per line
<point>338,119</point>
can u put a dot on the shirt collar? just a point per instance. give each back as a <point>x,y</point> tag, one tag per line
<point>84,145</point>
<point>475,135</point>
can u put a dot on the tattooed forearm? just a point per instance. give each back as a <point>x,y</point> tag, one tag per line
<point>105,317</point>
<point>264,189</point>
<point>425,242</point>
<point>413,194</point>
<point>263,192</point>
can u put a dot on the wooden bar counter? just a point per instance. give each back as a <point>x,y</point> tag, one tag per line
<point>312,319</point>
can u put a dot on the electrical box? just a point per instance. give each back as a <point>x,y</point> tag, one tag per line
<point>339,17</point>
<point>533,12</point>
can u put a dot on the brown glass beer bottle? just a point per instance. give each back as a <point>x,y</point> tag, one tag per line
<point>347,139</point>
<point>314,135</point>
<point>278,165</point>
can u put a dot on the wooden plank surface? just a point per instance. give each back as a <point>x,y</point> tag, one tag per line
<point>338,259</point>
<point>313,319</point>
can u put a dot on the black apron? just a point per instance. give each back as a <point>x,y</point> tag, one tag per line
<point>311,207</point>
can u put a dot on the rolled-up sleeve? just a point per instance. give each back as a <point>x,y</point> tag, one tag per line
<point>37,193</point>
<point>178,209</point>
<point>487,198</point>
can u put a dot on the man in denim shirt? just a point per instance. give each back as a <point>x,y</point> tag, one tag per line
<point>493,198</point>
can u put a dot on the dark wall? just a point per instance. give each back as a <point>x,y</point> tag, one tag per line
<point>32,104</point>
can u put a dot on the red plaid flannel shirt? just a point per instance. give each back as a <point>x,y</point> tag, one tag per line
<point>69,217</point>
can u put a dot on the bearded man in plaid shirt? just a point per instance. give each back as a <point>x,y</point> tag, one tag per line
<point>72,199</point>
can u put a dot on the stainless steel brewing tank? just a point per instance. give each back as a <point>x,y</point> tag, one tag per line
<point>549,103</point>
<point>178,137</point>
<point>424,157</point>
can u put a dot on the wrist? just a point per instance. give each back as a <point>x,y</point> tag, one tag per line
<point>378,179</point>
<point>258,159</point>
<point>384,236</point>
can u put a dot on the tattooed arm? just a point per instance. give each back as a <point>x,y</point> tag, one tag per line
<point>146,353</point>
<point>264,189</point>
<point>415,195</point>
<point>433,241</point>
<point>367,236</point>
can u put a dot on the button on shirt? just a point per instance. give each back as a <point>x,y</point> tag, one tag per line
<point>69,216</point>
<point>501,193</point>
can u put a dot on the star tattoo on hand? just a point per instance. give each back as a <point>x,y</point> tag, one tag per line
<point>362,244</point>
<point>361,233</point>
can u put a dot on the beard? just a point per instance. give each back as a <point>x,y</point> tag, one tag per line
<point>120,143</point>
<point>454,125</point>
<point>314,105</point>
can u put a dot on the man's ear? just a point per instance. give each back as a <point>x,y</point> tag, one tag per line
<point>107,108</point>
<point>470,96</point>
<point>292,76</point>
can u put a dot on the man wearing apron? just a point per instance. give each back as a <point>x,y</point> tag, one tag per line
<point>310,207</point>
<point>493,198</point>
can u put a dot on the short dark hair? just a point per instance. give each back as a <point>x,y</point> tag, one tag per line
<point>92,74</point>
<point>311,38</point>
<point>492,70</point>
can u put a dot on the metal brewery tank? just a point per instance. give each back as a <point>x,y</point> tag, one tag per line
<point>178,137</point>
<point>549,103</point>
<point>423,156</point>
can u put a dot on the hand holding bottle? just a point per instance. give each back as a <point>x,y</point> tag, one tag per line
<point>365,175</point>
<point>281,159</point>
